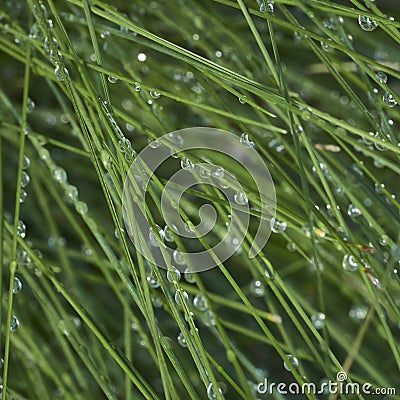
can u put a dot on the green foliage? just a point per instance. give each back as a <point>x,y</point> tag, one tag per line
<point>86,84</point>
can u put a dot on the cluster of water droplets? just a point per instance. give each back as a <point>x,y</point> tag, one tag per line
<point>71,192</point>
<point>25,178</point>
<point>50,42</point>
<point>387,97</point>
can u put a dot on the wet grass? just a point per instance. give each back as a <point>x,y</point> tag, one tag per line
<point>86,85</point>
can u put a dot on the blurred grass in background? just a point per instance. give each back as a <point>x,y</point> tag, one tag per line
<point>86,84</point>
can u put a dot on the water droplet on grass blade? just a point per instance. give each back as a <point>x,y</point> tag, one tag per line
<point>241,198</point>
<point>154,94</point>
<point>30,105</point>
<point>72,192</point>
<point>353,211</point>
<point>292,360</point>
<point>278,226</point>
<point>257,288</point>
<point>367,24</point>
<point>152,282</point>
<point>112,79</point>
<point>21,229</point>
<point>189,277</point>
<point>173,275</point>
<point>23,195</point>
<point>181,295</point>
<point>178,257</point>
<point>60,175</point>
<point>217,171</point>
<point>26,162</point>
<point>81,207</point>
<point>349,263</point>
<point>186,164</point>
<point>60,73</point>
<point>389,100</point>
<point>200,302</point>
<point>153,143</point>
<point>14,323</point>
<point>212,392</point>
<point>381,76</point>
<point>318,320</point>
<point>25,179</point>
<point>244,138</point>
<point>358,313</point>
<point>181,340</point>
<point>17,285</point>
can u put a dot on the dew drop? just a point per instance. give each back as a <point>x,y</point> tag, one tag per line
<point>367,24</point>
<point>244,138</point>
<point>173,275</point>
<point>189,276</point>
<point>278,226</point>
<point>168,235</point>
<point>152,282</point>
<point>182,340</point>
<point>291,246</point>
<point>318,320</point>
<point>60,175</point>
<point>178,257</point>
<point>209,318</point>
<point>395,274</point>
<point>384,240</point>
<point>156,301</point>
<point>30,105</point>
<point>72,192</point>
<point>81,207</point>
<point>58,73</point>
<point>204,172</point>
<point>153,143</point>
<point>17,285</point>
<point>112,79</point>
<point>217,171</point>
<point>389,100</point>
<point>21,229</point>
<point>186,164</point>
<point>25,179</point>
<point>124,145</point>
<point>257,288</point>
<point>242,100</point>
<point>358,313</point>
<point>353,211</point>
<point>212,392</point>
<point>26,162</point>
<point>349,263</point>
<point>200,302</point>
<point>154,94</point>
<point>154,237</point>
<point>14,323</point>
<point>241,198</point>
<point>179,294</point>
<point>189,227</point>
<point>292,360</point>
<point>23,195</point>
<point>381,76</point>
